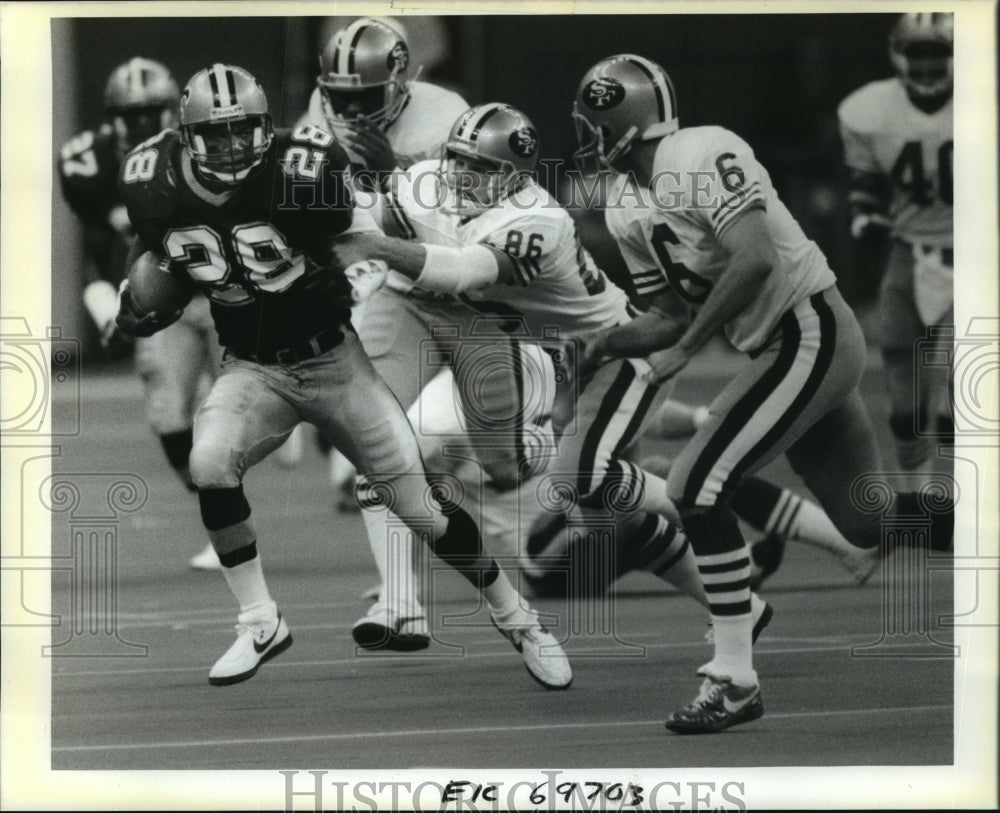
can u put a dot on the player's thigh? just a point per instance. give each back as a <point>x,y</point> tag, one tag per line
<point>393,331</point>
<point>170,363</point>
<point>199,315</point>
<point>611,413</point>
<point>814,364</point>
<point>899,321</point>
<point>358,413</point>
<point>244,418</point>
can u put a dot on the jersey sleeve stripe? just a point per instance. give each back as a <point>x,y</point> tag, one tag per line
<point>755,203</point>
<point>735,202</point>
<point>402,221</point>
<point>527,271</point>
<point>651,287</point>
<point>722,216</point>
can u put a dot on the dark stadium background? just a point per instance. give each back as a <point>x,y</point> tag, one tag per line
<point>774,79</point>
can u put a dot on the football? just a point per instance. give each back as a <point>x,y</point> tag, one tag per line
<point>155,289</point>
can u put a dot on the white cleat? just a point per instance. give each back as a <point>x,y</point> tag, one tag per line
<point>289,454</point>
<point>260,636</point>
<point>385,628</point>
<point>207,559</point>
<point>543,657</point>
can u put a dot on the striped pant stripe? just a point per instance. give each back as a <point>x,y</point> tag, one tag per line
<point>750,430</point>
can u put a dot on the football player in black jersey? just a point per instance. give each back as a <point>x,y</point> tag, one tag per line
<point>247,214</point>
<point>140,100</point>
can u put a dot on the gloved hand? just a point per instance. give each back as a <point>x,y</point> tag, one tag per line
<point>132,322</point>
<point>366,277</point>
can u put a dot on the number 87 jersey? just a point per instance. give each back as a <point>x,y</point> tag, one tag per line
<point>704,178</point>
<point>249,247</point>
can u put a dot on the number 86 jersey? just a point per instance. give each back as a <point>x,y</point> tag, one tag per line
<point>251,247</point>
<point>704,179</point>
<point>557,286</point>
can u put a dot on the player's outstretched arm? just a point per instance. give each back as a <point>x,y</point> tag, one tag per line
<point>434,268</point>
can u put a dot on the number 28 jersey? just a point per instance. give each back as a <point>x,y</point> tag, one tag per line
<point>704,178</point>
<point>249,248</point>
<point>556,286</point>
<point>884,134</point>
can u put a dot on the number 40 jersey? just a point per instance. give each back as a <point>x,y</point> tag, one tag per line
<point>250,248</point>
<point>704,179</point>
<point>884,134</point>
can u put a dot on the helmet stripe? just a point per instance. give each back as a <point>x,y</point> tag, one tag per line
<point>354,44</point>
<point>657,87</point>
<point>474,135</point>
<point>214,83</point>
<point>231,83</point>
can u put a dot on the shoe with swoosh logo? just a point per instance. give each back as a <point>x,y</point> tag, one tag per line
<point>542,655</point>
<point>258,639</point>
<point>720,704</point>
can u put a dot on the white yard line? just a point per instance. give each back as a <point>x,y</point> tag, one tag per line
<point>450,732</point>
<point>500,652</point>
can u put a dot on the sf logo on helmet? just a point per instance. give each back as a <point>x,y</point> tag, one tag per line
<point>524,142</point>
<point>398,58</point>
<point>603,94</point>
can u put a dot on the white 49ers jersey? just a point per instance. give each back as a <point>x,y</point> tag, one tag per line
<point>557,284</point>
<point>704,178</point>
<point>885,134</point>
<point>417,134</point>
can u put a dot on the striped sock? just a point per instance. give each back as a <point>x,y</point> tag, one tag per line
<point>723,560</point>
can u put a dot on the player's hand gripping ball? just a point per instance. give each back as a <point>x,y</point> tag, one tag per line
<point>151,297</point>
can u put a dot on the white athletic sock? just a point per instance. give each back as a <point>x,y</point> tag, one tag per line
<point>246,581</point>
<point>733,649</point>
<point>392,546</point>
<point>505,602</point>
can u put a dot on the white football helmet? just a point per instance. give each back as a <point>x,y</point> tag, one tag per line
<point>140,99</point>
<point>491,151</point>
<point>363,71</point>
<point>921,47</point>
<point>620,100</point>
<point>224,123</point>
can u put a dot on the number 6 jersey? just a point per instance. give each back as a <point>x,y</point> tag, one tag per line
<point>704,178</point>
<point>251,247</point>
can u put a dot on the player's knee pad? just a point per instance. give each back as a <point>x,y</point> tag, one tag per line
<point>214,466</point>
<point>461,547</point>
<point>223,507</point>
